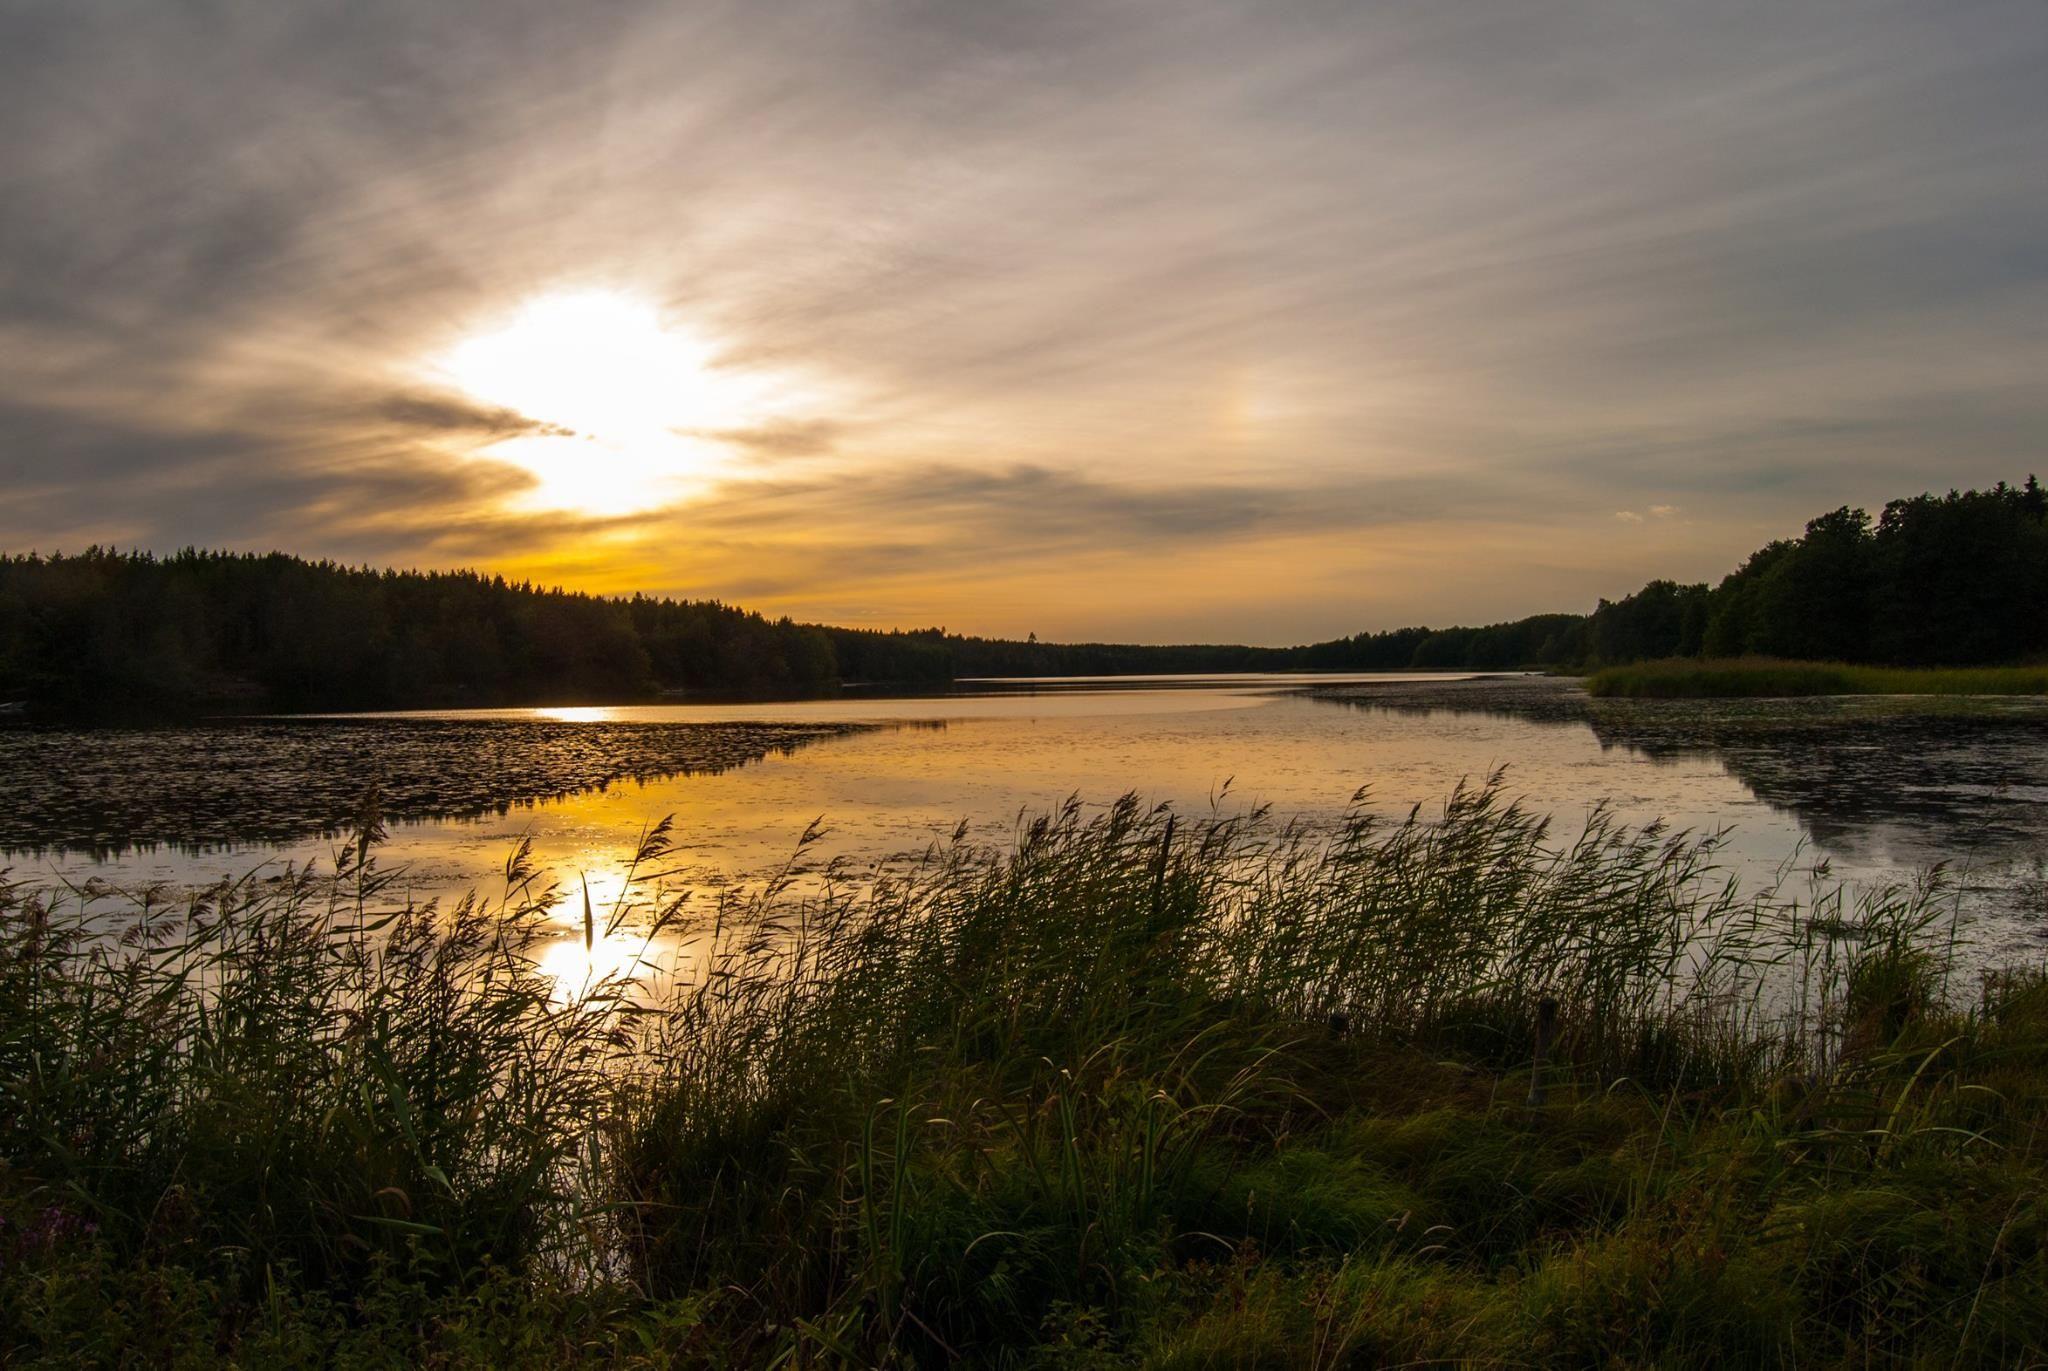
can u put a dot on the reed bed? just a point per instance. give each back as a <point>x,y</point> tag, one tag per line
<point>1761,677</point>
<point>1137,1091</point>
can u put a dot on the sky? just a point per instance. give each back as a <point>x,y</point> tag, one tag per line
<point>1150,320</point>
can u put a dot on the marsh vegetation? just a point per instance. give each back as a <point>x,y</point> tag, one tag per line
<point>273,781</point>
<point>1684,678</point>
<point>1137,1091</point>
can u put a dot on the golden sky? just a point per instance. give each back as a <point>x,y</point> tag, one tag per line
<point>1162,320</point>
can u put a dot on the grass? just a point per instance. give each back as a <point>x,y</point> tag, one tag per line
<point>1138,1092</point>
<point>1693,678</point>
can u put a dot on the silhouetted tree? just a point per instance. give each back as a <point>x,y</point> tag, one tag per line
<point>1956,578</point>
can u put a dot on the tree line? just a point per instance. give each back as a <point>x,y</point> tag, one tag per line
<point>114,630</point>
<point>1936,580</point>
<point>1955,579</point>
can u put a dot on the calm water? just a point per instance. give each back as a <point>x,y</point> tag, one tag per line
<point>1875,789</point>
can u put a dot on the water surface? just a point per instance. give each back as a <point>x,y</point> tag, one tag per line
<point>1863,790</point>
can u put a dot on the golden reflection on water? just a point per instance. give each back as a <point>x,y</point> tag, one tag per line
<point>578,969</point>
<point>989,760</point>
<point>938,762</point>
<point>608,934</point>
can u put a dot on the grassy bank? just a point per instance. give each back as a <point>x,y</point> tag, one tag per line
<point>1139,1092</point>
<point>1691,678</point>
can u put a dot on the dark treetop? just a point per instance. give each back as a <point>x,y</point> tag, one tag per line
<point>1954,579</point>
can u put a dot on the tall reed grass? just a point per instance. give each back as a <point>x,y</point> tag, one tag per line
<point>1758,677</point>
<point>1138,1090</point>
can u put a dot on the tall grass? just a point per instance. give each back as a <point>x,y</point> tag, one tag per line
<point>1137,1091</point>
<point>1693,678</point>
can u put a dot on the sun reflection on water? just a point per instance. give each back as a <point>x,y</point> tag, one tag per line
<point>577,968</point>
<point>611,938</point>
<point>577,714</point>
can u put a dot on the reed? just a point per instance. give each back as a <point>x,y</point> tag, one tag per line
<point>1693,678</point>
<point>1138,1090</point>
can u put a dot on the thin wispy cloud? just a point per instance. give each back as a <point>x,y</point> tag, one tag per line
<point>1029,304</point>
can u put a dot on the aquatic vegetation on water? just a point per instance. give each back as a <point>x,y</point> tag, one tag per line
<point>246,781</point>
<point>1138,1091</point>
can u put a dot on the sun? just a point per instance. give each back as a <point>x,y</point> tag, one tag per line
<point>619,398</point>
<point>600,363</point>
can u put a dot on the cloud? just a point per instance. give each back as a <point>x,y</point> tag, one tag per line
<point>1038,510</point>
<point>781,438</point>
<point>1628,516</point>
<point>1112,284</point>
<point>454,415</point>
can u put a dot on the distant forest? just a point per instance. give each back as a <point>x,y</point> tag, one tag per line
<point>1955,579</point>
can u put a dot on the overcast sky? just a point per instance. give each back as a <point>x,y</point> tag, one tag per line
<point>1157,321</point>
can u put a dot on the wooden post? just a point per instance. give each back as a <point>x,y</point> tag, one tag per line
<point>1546,1028</point>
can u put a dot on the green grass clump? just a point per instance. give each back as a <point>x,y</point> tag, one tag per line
<point>1135,1093</point>
<point>1756,677</point>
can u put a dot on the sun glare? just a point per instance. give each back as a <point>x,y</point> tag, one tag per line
<point>621,394</point>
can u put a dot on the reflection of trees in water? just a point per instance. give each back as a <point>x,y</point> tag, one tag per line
<point>1927,779</point>
<point>1936,786</point>
<point>212,785</point>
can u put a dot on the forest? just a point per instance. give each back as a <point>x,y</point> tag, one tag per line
<point>1934,580</point>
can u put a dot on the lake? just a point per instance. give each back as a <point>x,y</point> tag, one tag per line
<point>1866,790</point>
